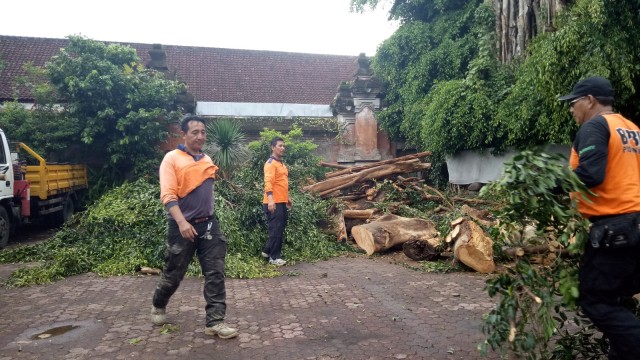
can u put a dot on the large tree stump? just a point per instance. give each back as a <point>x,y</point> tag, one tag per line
<point>473,247</point>
<point>391,230</point>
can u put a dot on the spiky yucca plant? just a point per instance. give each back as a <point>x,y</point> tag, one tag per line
<point>226,145</point>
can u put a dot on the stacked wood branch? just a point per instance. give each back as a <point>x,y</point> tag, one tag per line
<point>332,165</point>
<point>551,247</point>
<point>357,188</point>
<point>354,169</point>
<point>330,187</point>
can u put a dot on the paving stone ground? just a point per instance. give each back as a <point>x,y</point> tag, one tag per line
<point>344,308</point>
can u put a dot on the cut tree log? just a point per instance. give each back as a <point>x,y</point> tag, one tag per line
<point>329,186</point>
<point>536,249</point>
<point>355,169</point>
<point>454,233</point>
<point>358,214</point>
<point>420,250</point>
<point>391,230</point>
<point>150,271</point>
<point>333,165</point>
<point>482,216</point>
<point>455,199</point>
<point>474,248</point>
<point>340,227</point>
<point>371,193</point>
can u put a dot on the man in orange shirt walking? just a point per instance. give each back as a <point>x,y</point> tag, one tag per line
<point>276,201</point>
<point>186,191</point>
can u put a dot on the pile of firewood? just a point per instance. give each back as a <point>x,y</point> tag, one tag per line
<point>353,176</point>
<point>375,233</point>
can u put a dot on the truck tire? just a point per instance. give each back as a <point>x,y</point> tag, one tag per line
<point>5,227</point>
<point>58,218</point>
<point>67,210</point>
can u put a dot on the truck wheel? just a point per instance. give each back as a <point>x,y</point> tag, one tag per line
<point>58,218</point>
<point>67,210</point>
<point>5,227</point>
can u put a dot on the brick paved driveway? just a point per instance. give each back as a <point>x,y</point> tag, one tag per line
<point>345,308</point>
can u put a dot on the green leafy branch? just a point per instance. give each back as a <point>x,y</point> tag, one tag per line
<point>537,294</point>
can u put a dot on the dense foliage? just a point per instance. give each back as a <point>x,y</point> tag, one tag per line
<point>447,92</point>
<point>126,228</point>
<point>44,128</point>
<point>536,316</point>
<point>113,109</point>
<point>594,37</point>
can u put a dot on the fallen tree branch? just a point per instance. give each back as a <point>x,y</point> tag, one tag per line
<point>458,199</point>
<point>358,214</point>
<point>333,165</point>
<point>354,169</point>
<point>328,186</point>
<point>534,250</point>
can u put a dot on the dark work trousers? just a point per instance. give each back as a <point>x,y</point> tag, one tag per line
<point>277,221</point>
<point>211,255</point>
<point>608,278</point>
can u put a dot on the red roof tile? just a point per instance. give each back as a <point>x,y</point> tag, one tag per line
<point>212,74</point>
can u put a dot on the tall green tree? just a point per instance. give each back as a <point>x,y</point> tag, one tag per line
<point>441,76</point>
<point>44,127</point>
<point>121,108</point>
<point>447,92</point>
<point>594,37</point>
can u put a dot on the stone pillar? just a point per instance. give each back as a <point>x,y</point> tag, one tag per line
<point>158,62</point>
<point>184,100</point>
<point>355,106</point>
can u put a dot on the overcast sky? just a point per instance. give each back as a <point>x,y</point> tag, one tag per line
<point>309,26</point>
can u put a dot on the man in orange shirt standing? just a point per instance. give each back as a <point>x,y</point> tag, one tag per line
<point>276,201</point>
<point>606,157</point>
<point>186,191</point>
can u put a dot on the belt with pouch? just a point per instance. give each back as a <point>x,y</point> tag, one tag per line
<point>615,231</point>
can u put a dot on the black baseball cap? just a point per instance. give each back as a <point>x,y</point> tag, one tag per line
<point>595,86</point>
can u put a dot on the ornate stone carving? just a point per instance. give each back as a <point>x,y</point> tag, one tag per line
<point>158,58</point>
<point>343,101</point>
<point>158,62</point>
<point>355,105</point>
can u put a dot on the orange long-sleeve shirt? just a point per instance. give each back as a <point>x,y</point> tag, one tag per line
<point>180,174</point>
<point>276,181</point>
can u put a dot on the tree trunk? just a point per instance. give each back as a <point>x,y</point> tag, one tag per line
<point>391,230</point>
<point>474,248</point>
<point>519,21</point>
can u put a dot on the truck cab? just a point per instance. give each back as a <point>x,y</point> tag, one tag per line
<point>6,189</point>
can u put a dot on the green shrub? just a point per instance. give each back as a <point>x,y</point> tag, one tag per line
<point>125,229</point>
<point>536,306</point>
